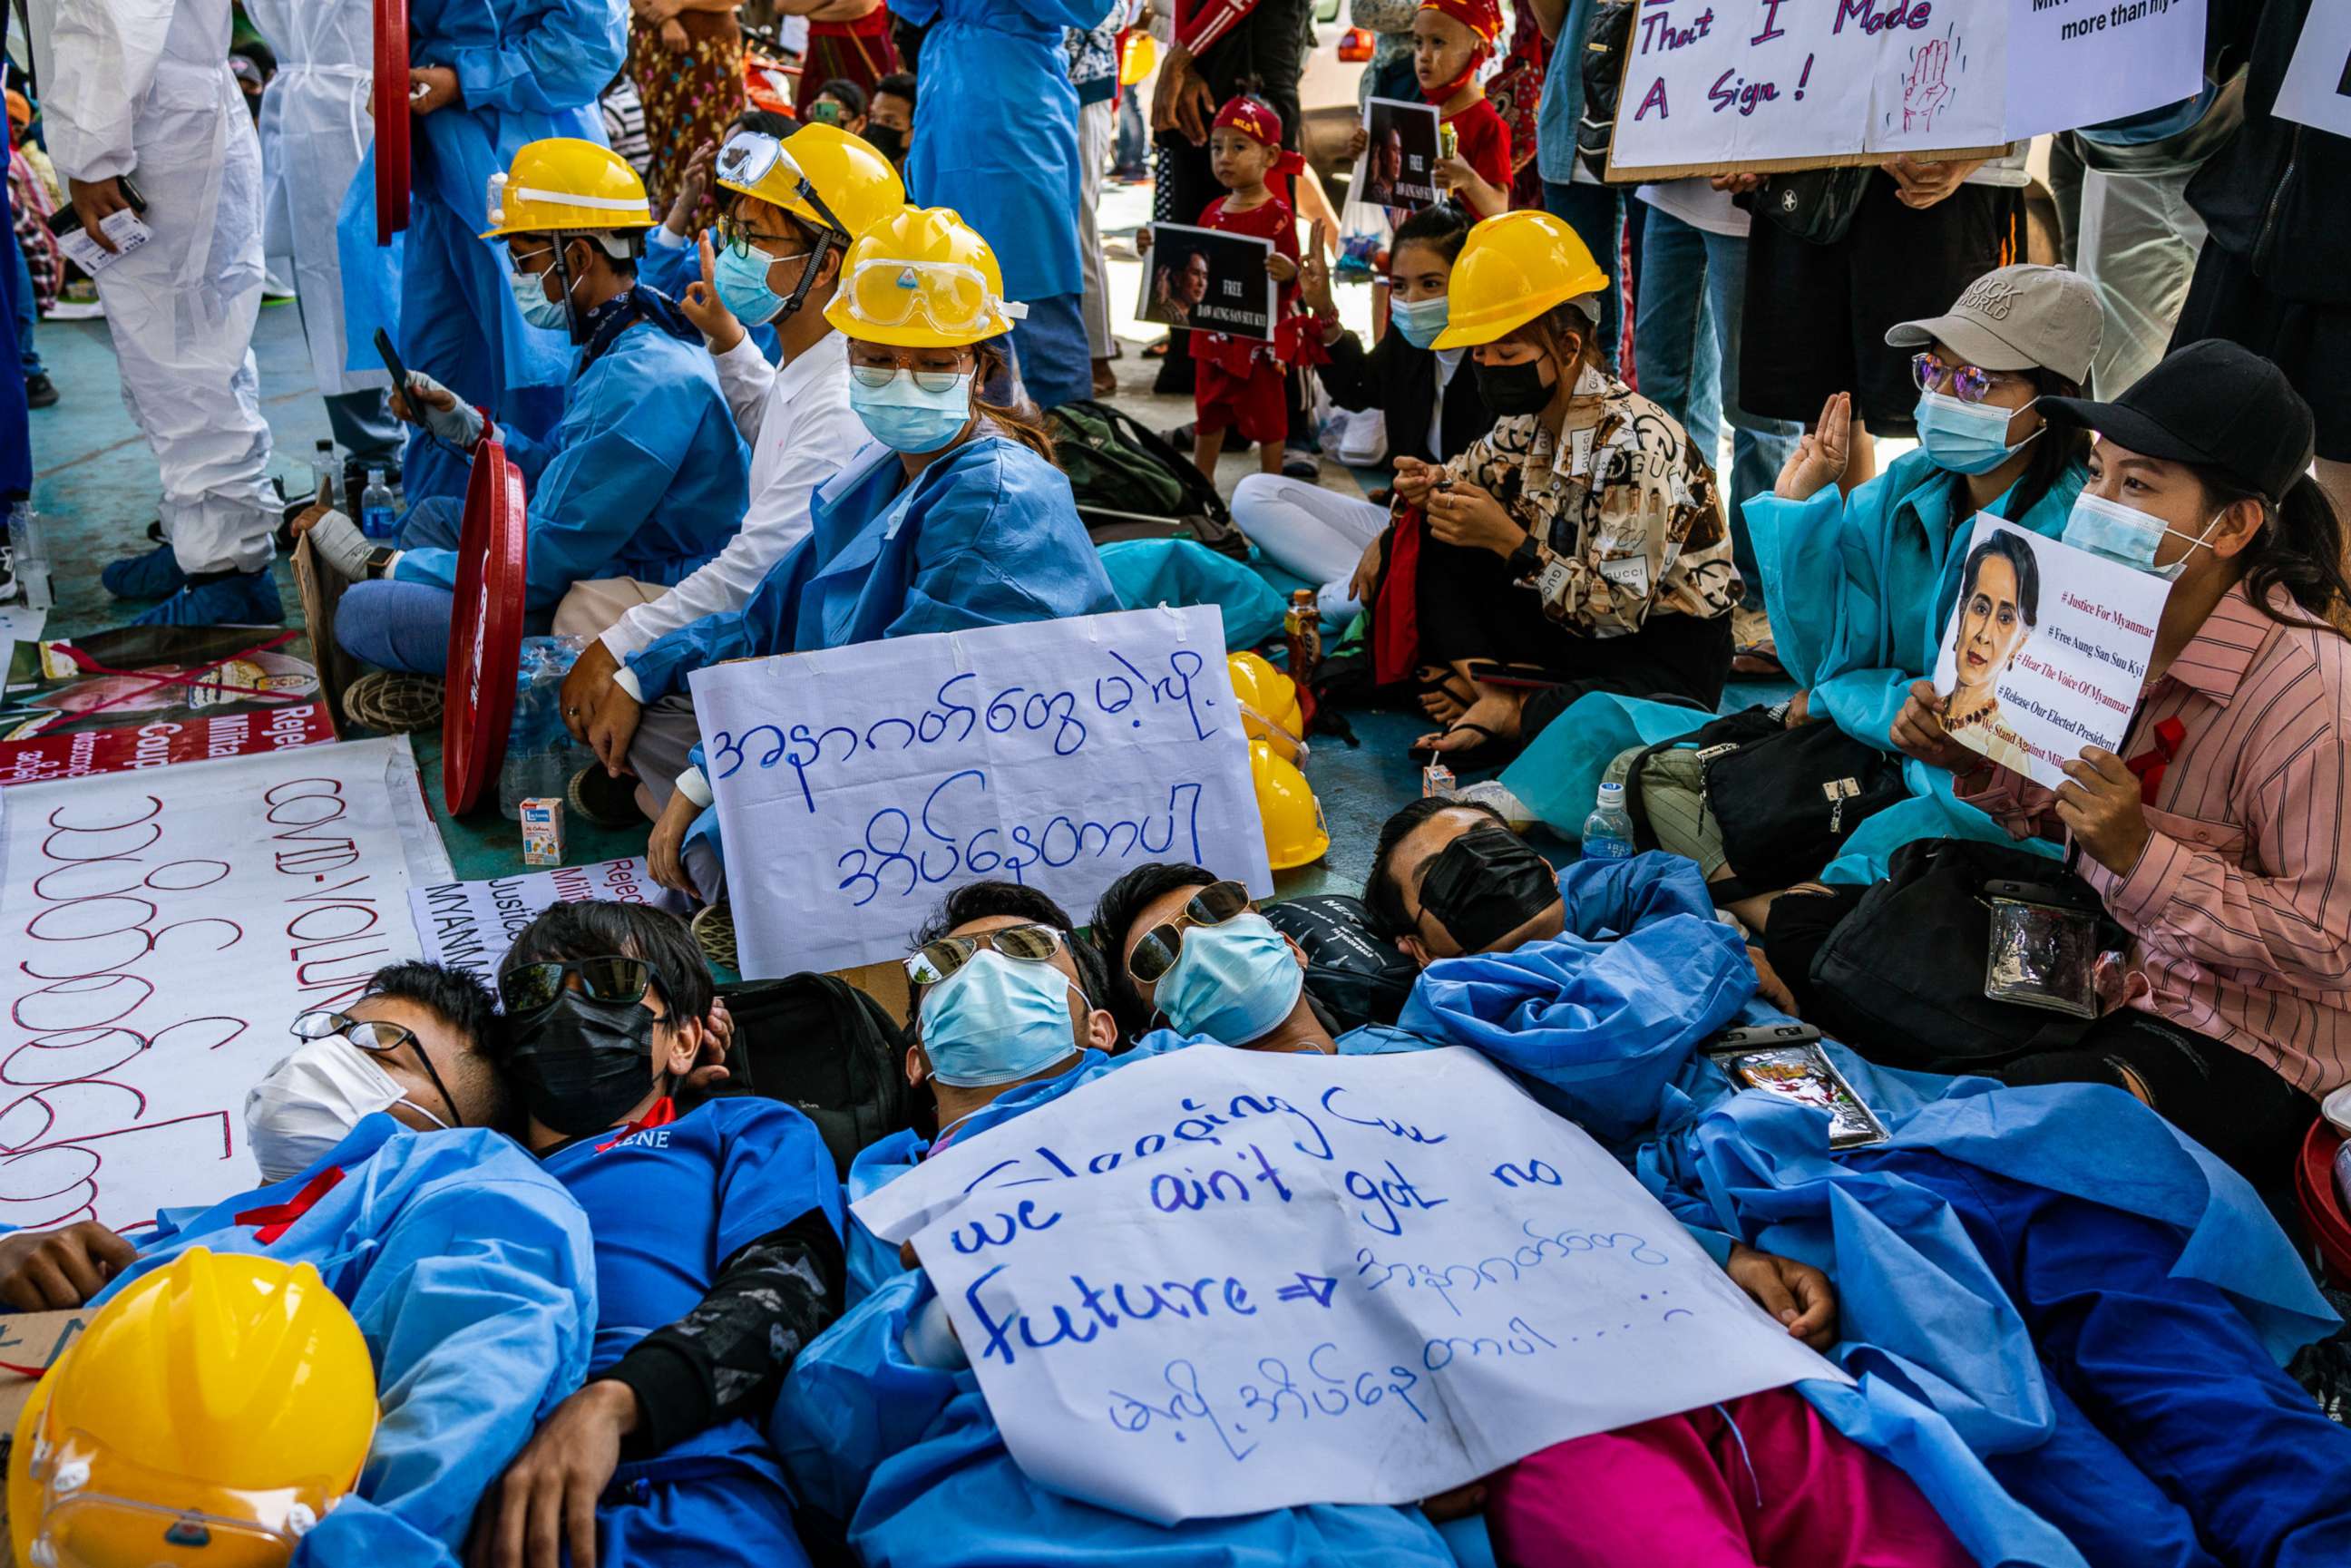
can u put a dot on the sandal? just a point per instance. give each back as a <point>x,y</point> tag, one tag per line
<point>1434,678</point>
<point>1492,752</point>
<point>1756,661</point>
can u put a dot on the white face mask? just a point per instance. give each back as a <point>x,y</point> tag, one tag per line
<point>310,1101</point>
<point>2128,536</point>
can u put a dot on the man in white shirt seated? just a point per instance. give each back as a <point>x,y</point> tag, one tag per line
<point>796,205</point>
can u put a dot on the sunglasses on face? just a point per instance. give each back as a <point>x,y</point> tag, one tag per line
<point>530,988</point>
<point>1212,906</point>
<point>377,1039</point>
<point>935,961</point>
<point>1968,384</point>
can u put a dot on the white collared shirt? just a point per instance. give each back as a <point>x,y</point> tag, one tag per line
<point>801,429</point>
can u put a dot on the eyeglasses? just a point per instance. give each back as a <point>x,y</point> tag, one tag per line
<point>1968,384</point>
<point>1213,905</point>
<point>879,376</point>
<point>530,988</point>
<point>935,961</point>
<point>883,291</point>
<point>377,1038</point>
<point>736,235</point>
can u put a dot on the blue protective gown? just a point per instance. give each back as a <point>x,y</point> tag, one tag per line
<point>645,475</point>
<point>2047,1286</point>
<point>526,70</point>
<point>669,1203</point>
<point>1860,589</point>
<point>669,268</point>
<point>910,1456</point>
<point>987,536</point>
<point>469,1271</point>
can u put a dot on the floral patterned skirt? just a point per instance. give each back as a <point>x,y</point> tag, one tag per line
<point>690,95</point>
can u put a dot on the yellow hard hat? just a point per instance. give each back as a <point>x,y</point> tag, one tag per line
<point>921,278</point>
<point>1294,832</point>
<point>1269,699</point>
<point>822,175</point>
<point>560,184</point>
<point>1138,53</point>
<point>210,1415</point>
<point>1511,270</point>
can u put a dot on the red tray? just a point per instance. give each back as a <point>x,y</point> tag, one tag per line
<point>2321,1202</point>
<point>392,118</point>
<point>484,630</point>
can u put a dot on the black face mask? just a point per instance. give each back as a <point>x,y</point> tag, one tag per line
<point>887,139</point>
<point>581,1064</point>
<point>1485,884</point>
<point>1507,390</point>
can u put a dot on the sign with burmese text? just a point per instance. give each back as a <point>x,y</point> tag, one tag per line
<point>1714,85</point>
<point>2045,651</point>
<point>1218,1282</point>
<point>469,925</point>
<point>857,787</point>
<point>162,929</point>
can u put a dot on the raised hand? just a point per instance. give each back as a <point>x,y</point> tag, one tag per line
<point>702,306</point>
<point>1924,91</point>
<point>1821,456</point>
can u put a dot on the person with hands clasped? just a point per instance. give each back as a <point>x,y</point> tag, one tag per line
<point>1578,545</point>
<point>2218,835</point>
<point>795,205</point>
<point>1861,580</point>
<point>1237,381</point>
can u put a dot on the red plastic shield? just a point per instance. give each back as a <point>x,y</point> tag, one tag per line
<point>392,118</point>
<point>484,630</point>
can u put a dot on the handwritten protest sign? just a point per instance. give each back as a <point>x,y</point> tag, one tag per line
<point>2045,651</point>
<point>1718,85</point>
<point>2316,91</point>
<point>1218,1282</point>
<point>162,929</point>
<point>470,924</point>
<point>856,786</point>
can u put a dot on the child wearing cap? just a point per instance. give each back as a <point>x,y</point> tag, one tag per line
<point>1450,40</point>
<point>1860,586</point>
<point>1237,381</point>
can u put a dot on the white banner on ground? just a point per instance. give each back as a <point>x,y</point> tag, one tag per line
<point>857,786</point>
<point>470,924</point>
<point>2046,650</point>
<point>2317,91</point>
<point>1220,1282</point>
<point>162,929</point>
<point>1713,86</point>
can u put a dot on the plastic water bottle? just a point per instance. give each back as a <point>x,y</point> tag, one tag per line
<point>541,756</point>
<point>1608,832</point>
<point>28,546</point>
<point>375,507</point>
<point>327,476</point>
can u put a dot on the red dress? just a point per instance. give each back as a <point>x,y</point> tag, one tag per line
<point>1483,139</point>
<point>1238,380</point>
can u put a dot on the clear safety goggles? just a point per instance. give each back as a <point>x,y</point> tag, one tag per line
<point>884,291</point>
<point>750,156</point>
<point>502,189</point>
<point>97,1511</point>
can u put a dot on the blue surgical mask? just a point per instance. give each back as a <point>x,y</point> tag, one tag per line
<point>2125,535</point>
<point>1231,982</point>
<point>1420,321</point>
<point>1966,437</point>
<point>905,418</point>
<point>997,1021</point>
<point>741,279</point>
<point>530,298</point>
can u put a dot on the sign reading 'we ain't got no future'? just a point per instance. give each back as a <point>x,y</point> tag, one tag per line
<point>1713,86</point>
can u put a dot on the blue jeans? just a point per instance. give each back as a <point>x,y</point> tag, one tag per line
<point>1134,143</point>
<point>1687,277</point>
<point>26,314</point>
<point>1051,347</point>
<point>1596,214</point>
<point>405,625</point>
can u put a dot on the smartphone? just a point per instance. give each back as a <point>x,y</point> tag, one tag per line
<point>391,357</point>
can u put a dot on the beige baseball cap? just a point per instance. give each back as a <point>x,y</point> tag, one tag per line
<point>2015,318</point>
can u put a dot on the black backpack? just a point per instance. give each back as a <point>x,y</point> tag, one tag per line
<point>1605,42</point>
<point>1131,485</point>
<point>825,1047</point>
<point>1356,976</point>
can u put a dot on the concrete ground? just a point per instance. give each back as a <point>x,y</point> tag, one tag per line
<point>95,484</point>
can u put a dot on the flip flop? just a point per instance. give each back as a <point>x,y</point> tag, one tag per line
<point>1758,662</point>
<point>1493,752</point>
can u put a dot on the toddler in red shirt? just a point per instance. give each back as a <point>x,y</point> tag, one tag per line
<point>1450,40</point>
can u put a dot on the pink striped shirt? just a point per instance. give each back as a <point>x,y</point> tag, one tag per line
<point>2239,906</point>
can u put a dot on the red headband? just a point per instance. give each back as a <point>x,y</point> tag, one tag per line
<point>1483,18</point>
<point>1255,119</point>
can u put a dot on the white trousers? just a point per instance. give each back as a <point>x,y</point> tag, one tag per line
<point>1308,532</point>
<point>1097,124</point>
<point>2139,242</point>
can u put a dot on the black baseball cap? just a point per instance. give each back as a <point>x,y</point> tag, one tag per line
<point>2214,403</point>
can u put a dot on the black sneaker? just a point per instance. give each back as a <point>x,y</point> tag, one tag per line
<point>40,391</point>
<point>607,802</point>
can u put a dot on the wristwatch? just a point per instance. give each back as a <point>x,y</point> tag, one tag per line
<point>1526,560</point>
<point>379,563</point>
